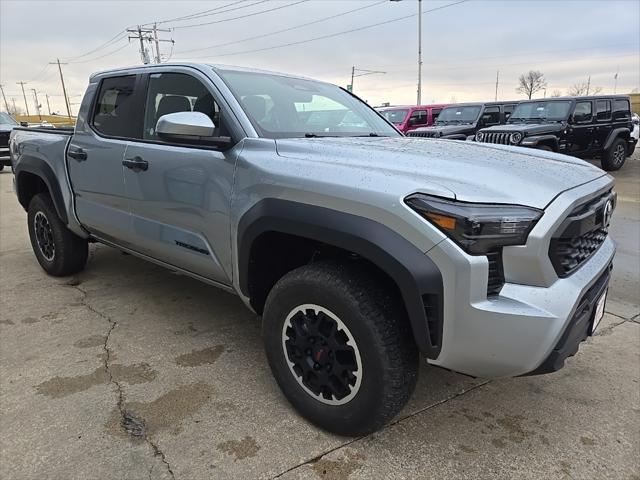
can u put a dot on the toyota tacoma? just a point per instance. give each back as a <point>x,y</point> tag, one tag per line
<point>359,248</point>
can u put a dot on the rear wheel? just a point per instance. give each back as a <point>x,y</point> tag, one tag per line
<point>59,251</point>
<point>615,156</point>
<point>340,347</point>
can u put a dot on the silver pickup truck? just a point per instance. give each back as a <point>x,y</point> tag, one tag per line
<point>360,248</point>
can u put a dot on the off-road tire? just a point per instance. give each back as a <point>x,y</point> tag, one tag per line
<point>69,253</point>
<point>614,157</point>
<point>375,317</point>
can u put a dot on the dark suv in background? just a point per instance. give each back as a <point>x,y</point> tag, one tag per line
<point>7,123</point>
<point>586,127</point>
<point>458,122</point>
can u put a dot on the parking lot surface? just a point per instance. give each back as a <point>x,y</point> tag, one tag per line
<point>131,371</point>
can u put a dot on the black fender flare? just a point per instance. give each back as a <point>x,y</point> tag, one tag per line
<point>415,274</point>
<point>615,133</point>
<point>536,140</point>
<point>40,168</point>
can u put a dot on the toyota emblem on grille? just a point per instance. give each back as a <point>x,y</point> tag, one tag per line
<point>608,211</point>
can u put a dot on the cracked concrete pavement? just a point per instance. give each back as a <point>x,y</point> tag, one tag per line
<point>129,371</point>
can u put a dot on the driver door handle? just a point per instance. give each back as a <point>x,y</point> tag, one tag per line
<point>78,154</point>
<point>137,164</point>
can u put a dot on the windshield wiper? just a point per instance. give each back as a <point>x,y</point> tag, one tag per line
<point>315,135</point>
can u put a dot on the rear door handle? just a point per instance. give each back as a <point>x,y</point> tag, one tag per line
<point>137,164</point>
<point>78,154</point>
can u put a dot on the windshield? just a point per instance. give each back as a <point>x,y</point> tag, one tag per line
<point>284,107</point>
<point>536,111</point>
<point>5,118</point>
<point>462,114</point>
<point>395,116</point>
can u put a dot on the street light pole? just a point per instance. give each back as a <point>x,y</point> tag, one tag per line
<point>419,102</point>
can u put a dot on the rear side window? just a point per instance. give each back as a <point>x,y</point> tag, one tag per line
<point>603,110</point>
<point>621,110</point>
<point>115,113</point>
<point>582,113</point>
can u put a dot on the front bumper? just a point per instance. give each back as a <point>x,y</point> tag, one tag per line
<point>515,332</point>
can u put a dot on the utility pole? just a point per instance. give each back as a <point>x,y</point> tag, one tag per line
<point>6,105</point>
<point>151,36</point>
<point>588,85</point>
<point>353,71</point>
<point>24,95</point>
<point>615,80</point>
<point>419,102</point>
<point>15,109</point>
<point>497,80</point>
<point>64,89</point>
<point>48,106</point>
<point>35,95</point>
<point>364,72</point>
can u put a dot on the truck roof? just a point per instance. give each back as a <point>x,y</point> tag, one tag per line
<point>197,65</point>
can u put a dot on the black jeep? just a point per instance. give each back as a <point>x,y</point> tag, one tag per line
<point>463,120</point>
<point>585,127</point>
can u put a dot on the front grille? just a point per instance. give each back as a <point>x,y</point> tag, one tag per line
<point>496,273</point>
<point>4,139</point>
<point>422,134</point>
<point>580,235</point>
<point>495,137</point>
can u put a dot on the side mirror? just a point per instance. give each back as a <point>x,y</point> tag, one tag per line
<point>193,128</point>
<point>24,124</point>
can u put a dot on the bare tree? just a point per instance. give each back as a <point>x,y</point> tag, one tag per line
<point>582,89</point>
<point>531,82</point>
<point>556,93</point>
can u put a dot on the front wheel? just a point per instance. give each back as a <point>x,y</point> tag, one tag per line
<point>58,250</point>
<point>615,156</point>
<point>340,346</point>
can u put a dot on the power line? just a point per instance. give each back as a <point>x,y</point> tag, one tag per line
<point>283,30</point>
<point>331,35</point>
<point>204,13</point>
<point>241,16</point>
<point>122,47</point>
<point>114,39</point>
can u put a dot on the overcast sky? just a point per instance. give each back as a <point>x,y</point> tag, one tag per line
<point>463,44</point>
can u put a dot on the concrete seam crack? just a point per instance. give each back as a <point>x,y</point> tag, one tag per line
<point>107,366</point>
<point>391,424</point>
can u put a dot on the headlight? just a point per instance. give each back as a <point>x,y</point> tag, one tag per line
<point>515,138</point>
<point>479,136</point>
<point>478,228</point>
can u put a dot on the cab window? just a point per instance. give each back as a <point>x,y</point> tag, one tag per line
<point>419,117</point>
<point>435,113</point>
<point>603,110</point>
<point>508,110</point>
<point>115,113</point>
<point>178,92</point>
<point>582,112</point>
<point>491,116</point>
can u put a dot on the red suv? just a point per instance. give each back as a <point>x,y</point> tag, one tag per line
<point>407,118</point>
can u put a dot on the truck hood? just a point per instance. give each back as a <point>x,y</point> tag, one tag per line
<point>467,171</point>
<point>528,128</point>
<point>443,130</point>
